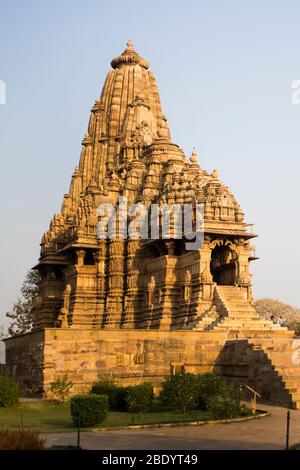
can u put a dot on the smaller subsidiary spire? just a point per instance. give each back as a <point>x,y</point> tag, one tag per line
<point>163,131</point>
<point>129,57</point>
<point>194,156</point>
<point>215,174</point>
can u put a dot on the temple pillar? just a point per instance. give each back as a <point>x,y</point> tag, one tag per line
<point>205,272</point>
<point>132,283</point>
<point>80,255</point>
<point>114,301</point>
<point>100,259</point>
<point>243,268</point>
<point>168,290</point>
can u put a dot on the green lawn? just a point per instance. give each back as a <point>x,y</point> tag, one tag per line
<point>42,416</point>
<point>48,417</point>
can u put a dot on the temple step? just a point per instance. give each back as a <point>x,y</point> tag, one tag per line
<point>238,317</point>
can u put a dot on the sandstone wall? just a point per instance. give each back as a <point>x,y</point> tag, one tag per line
<point>128,356</point>
<point>25,361</point>
<point>134,356</point>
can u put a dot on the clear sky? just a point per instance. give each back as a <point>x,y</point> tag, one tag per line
<point>224,70</point>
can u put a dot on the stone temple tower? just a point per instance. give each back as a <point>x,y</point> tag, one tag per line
<point>139,308</point>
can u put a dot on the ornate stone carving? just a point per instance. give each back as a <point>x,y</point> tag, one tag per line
<point>128,150</point>
<point>62,319</point>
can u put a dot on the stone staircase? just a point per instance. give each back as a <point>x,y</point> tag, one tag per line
<point>273,342</point>
<point>269,349</point>
<point>206,321</point>
<point>238,316</point>
<point>280,355</point>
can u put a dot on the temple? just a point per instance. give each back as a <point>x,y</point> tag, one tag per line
<point>136,308</point>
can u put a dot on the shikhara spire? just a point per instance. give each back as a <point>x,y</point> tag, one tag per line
<point>125,118</point>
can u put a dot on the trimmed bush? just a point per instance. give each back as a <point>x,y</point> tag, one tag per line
<point>9,391</point>
<point>21,440</point>
<point>218,395</point>
<point>139,398</point>
<point>116,395</point>
<point>179,392</point>
<point>89,410</point>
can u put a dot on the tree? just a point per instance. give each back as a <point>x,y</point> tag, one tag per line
<point>2,332</point>
<point>61,387</point>
<point>21,313</point>
<point>268,308</point>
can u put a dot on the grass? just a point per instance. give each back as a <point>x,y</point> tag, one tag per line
<point>48,417</point>
<point>115,419</point>
<point>41,416</point>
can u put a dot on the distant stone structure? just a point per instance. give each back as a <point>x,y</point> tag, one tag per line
<point>140,309</point>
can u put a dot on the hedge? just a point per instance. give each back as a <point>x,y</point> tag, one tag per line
<point>139,398</point>
<point>209,392</point>
<point>116,395</point>
<point>89,410</point>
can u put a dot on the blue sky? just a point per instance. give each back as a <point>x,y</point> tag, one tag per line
<point>224,70</point>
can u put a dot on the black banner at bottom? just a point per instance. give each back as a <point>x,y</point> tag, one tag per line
<point>135,459</point>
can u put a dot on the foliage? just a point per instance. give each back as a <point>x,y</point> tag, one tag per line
<point>89,410</point>
<point>115,394</point>
<point>208,392</point>
<point>61,387</point>
<point>21,440</point>
<point>2,332</point>
<point>295,446</point>
<point>9,391</point>
<point>180,392</point>
<point>245,411</point>
<point>295,326</point>
<point>225,408</point>
<point>21,312</point>
<point>139,398</point>
<point>218,396</point>
<point>210,386</point>
<point>268,308</point>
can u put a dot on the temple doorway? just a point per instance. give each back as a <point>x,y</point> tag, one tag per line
<point>223,265</point>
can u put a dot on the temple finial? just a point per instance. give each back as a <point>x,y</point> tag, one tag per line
<point>129,57</point>
<point>129,44</point>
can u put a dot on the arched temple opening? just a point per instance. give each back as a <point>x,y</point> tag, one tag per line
<point>223,265</point>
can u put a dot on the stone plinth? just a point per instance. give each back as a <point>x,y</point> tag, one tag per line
<point>127,356</point>
<point>134,356</point>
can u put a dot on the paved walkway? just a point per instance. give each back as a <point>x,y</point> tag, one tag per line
<point>265,433</point>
